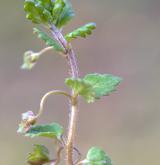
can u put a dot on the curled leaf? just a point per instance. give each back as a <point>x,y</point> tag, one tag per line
<point>38,11</point>
<point>57,9</point>
<point>97,156</point>
<point>81,32</point>
<point>39,155</point>
<point>57,12</point>
<point>66,15</point>
<point>52,130</point>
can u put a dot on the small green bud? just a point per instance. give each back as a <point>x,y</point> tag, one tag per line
<point>39,155</point>
<point>28,120</point>
<point>30,59</point>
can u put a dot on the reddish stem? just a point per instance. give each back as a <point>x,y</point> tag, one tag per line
<point>71,57</point>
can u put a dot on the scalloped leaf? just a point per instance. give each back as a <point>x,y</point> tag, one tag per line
<point>57,12</point>
<point>38,11</point>
<point>97,156</point>
<point>52,130</point>
<point>39,155</point>
<point>81,32</point>
<point>102,84</point>
<point>49,41</point>
<point>94,86</point>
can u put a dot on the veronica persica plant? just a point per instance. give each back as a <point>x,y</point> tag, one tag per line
<point>53,15</point>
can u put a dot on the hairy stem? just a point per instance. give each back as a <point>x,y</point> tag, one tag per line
<point>72,62</point>
<point>71,134</point>
<point>71,57</point>
<point>59,37</point>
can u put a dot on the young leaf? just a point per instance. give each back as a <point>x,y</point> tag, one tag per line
<point>97,156</point>
<point>39,156</point>
<point>81,32</point>
<point>94,86</point>
<point>57,10</point>
<point>48,12</point>
<point>49,41</point>
<point>38,11</point>
<point>52,130</point>
<point>66,15</point>
<point>81,88</point>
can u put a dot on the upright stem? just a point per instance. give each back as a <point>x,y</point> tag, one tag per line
<point>71,57</point>
<point>71,135</point>
<point>74,110</point>
<point>73,63</point>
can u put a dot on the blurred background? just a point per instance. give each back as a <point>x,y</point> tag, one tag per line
<point>126,43</point>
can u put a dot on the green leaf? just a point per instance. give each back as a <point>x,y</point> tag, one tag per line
<point>38,11</point>
<point>81,88</point>
<point>81,32</point>
<point>52,130</point>
<point>29,60</point>
<point>97,156</point>
<point>66,15</point>
<point>94,86</point>
<point>49,41</point>
<point>57,12</point>
<point>102,84</point>
<point>39,156</point>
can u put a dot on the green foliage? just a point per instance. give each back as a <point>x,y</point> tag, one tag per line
<point>93,86</point>
<point>97,156</point>
<point>52,130</point>
<point>38,11</point>
<point>49,41</point>
<point>66,15</point>
<point>39,156</point>
<point>81,88</point>
<point>81,32</point>
<point>48,12</point>
<point>102,84</point>
<point>53,15</point>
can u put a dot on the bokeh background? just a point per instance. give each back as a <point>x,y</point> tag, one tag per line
<point>126,43</point>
